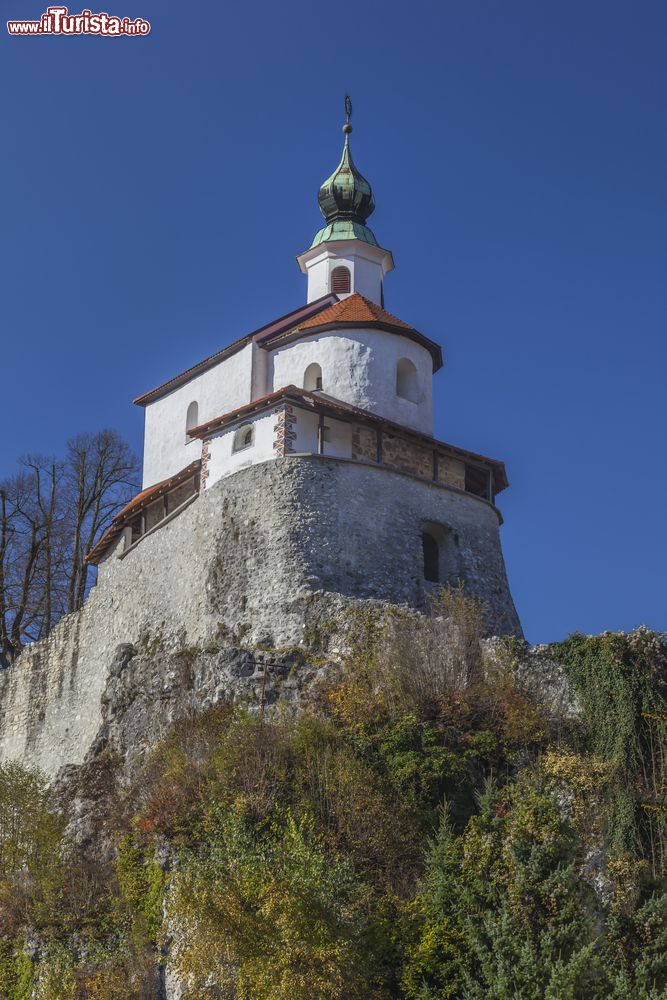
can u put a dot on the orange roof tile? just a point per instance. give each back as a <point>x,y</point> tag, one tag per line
<point>318,400</point>
<point>358,311</point>
<point>354,309</point>
<point>136,504</point>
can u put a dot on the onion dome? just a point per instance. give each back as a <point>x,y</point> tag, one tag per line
<point>346,199</point>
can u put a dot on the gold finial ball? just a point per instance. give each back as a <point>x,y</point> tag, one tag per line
<point>347,128</point>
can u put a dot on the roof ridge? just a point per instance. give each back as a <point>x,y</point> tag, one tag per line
<point>339,311</point>
<point>375,308</point>
<point>355,310</point>
<point>317,305</point>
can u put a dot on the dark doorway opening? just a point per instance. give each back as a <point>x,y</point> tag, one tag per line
<point>431,551</point>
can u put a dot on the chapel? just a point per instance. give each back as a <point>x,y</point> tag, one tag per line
<point>338,379</point>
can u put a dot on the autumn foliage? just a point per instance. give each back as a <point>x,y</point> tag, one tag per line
<point>424,829</point>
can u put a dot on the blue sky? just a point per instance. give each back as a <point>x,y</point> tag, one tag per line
<point>157,190</point>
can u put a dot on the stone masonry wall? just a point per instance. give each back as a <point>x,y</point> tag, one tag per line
<point>269,555</point>
<point>451,471</point>
<point>407,455</point>
<point>364,443</point>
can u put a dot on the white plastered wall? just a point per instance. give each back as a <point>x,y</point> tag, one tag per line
<point>225,387</point>
<point>223,460</point>
<point>338,440</point>
<point>365,277</point>
<point>359,367</point>
<point>367,266</point>
<point>260,363</point>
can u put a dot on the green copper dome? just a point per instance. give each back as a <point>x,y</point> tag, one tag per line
<point>346,201</point>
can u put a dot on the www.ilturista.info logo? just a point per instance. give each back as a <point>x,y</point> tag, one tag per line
<point>58,21</point>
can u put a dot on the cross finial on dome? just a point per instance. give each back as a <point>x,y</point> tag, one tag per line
<point>347,128</point>
<point>346,198</point>
<point>346,242</point>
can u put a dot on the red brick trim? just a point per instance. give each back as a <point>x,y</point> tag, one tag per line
<point>205,460</point>
<point>285,434</point>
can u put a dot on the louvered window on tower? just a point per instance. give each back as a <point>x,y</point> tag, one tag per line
<point>341,280</point>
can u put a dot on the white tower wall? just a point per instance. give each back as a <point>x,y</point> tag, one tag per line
<point>167,449</point>
<point>367,265</point>
<point>360,367</point>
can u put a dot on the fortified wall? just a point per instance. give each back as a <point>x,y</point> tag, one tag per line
<point>269,556</point>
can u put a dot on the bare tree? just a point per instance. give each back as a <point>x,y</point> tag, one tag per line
<point>100,473</point>
<point>21,545</point>
<point>45,476</point>
<point>51,514</point>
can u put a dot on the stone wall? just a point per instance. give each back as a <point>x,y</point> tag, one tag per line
<point>407,455</point>
<point>273,554</point>
<point>364,443</point>
<point>451,471</point>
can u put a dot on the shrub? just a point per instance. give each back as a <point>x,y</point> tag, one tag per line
<point>422,660</point>
<point>33,851</point>
<point>621,683</point>
<point>276,915</point>
<point>423,830</point>
<point>141,883</point>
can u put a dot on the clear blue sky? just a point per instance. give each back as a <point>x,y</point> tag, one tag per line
<point>157,190</point>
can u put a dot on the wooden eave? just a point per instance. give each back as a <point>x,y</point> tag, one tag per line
<point>320,402</point>
<point>138,503</point>
<point>409,332</point>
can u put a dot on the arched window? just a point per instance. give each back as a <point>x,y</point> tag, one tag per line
<point>407,382</point>
<point>191,419</point>
<point>312,377</point>
<point>244,437</point>
<point>431,551</point>
<point>341,280</point>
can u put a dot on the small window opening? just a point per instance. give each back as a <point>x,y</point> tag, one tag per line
<point>341,280</point>
<point>244,437</point>
<point>191,419</point>
<point>312,378</point>
<point>431,551</point>
<point>407,382</point>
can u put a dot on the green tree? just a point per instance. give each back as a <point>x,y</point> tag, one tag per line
<point>32,849</point>
<point>274,916</point>
<point>505,913</point>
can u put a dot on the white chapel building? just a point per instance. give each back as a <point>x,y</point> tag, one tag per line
<point>339,378</point>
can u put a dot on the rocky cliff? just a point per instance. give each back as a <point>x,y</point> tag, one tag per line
<point>276,555</point>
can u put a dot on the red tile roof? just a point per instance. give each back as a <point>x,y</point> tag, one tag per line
<point>137,504</point>
<point>320,401</point>
<point>358,311</point>
<point>323,314</point>
<point>243,411</point>
<point>354,309</point>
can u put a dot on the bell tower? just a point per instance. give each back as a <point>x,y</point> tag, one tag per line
<point>345,256</point>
